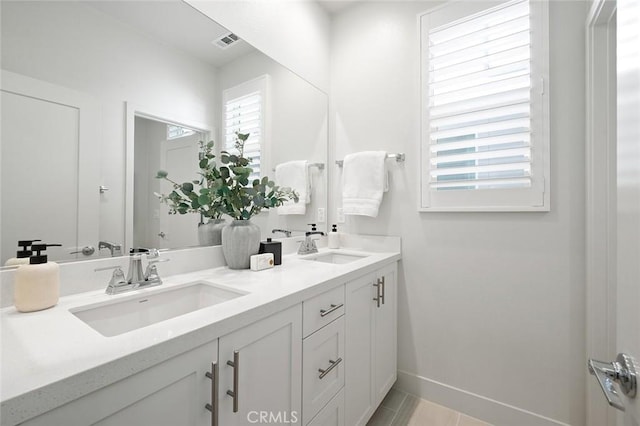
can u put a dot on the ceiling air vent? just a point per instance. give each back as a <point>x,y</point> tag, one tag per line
<point>225,41</point>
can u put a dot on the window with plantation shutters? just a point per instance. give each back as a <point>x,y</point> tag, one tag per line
<point>485,142</point>
<point>244,111</point>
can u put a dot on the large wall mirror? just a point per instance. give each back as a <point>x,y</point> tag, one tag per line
<point>97,96</point>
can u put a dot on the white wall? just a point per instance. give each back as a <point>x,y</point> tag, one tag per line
<point>297,130</point>
<point>73,45</point>
<point>491,305</point>
<point>293,32</point>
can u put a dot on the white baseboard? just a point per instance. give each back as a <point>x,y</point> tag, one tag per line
<point>480,407</point>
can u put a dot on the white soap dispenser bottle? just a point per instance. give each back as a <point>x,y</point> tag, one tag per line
<point>334,238</point>
<point>37,285</point>
<point>22,255</point>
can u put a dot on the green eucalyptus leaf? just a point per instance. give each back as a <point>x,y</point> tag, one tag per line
<point>187,187</point>
<point>161,174</point>
<point>204,199</point>
<point>204,163</point>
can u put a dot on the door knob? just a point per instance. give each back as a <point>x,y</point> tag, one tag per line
<point>86,250</point>
<point>623,371</point>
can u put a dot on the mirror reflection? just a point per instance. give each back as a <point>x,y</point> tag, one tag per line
<point>93,89</point>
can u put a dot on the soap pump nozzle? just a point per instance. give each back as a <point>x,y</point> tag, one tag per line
<point>24,251</point>
<point>39,258</point>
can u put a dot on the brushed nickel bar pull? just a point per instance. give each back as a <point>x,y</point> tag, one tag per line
<point>331,367</point>
<point>378,297</point>
<point>325,312</point>
<point>236,368</point>
<point>214,376</point>
<point>384,288</point>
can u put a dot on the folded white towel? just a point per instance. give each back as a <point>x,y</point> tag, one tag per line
<point>364,179</point>
<point>295,175</point>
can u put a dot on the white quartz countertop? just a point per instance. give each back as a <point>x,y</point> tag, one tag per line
<point>51,357</point>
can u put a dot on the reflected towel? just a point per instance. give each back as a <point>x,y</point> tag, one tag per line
<point>364,180</point>
<point>294,175</point>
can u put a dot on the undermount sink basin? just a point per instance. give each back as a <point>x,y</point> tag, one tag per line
<point>137,311</point>
<point>336,258</point>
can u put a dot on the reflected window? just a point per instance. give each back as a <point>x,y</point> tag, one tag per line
<point>244,112</point>
<point>176,132</point>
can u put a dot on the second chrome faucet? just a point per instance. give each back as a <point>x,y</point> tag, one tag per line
<point>135,279</point>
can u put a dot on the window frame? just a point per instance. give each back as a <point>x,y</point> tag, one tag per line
<point>535,198</point>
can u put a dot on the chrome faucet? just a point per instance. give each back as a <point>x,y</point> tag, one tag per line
<point>284,231</point>
<point>115,249</point>
<point>136,279</point>
<point>308,246</point>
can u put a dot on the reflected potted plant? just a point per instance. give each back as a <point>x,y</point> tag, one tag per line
<point>199,196</point>
<point>242,200</point>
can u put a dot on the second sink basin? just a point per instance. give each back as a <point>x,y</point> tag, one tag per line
<point>113,318</point>
<point>336,258</point>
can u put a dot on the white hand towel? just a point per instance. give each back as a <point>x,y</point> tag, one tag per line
<point>294,175</point>
<point>364,180</point>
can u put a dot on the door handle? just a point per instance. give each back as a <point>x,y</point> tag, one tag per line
<point>213,407</point>
<point>623,371</point>
<point>236,371</point>
<point>86,250</point>
<point>378,297</point>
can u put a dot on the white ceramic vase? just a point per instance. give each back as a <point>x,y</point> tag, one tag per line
<point>240,241</point>
<point>210,233</point>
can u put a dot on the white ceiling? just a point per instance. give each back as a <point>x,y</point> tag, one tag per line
<point>177,24</point>
<point>336,6</point>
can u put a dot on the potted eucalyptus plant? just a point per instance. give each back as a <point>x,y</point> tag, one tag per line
<point>242,200</point>
<point>226,190</point>
<point>199,196</point>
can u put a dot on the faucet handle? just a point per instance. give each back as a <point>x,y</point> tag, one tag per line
<point>151,274</point>
<point>117,278</point>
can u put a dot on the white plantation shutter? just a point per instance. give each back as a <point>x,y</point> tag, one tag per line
<point>245,112</point>
<point>485,136</point>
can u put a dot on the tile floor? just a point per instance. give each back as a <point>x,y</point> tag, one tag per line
<point>403,409</point>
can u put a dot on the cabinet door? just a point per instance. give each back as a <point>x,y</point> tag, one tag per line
<point>266,359</point>
<point>386,334</point>
<point>171,393</point>
<point>359,347</point>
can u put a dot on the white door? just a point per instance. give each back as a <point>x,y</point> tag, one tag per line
<point>628,193</point>
<point>625,243</point>
<point>179,157</point>
<point>49,169</point>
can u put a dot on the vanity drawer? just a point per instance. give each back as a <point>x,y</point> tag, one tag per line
<point>322,367</point>
<point>332,414</point>
<point>322,309</point>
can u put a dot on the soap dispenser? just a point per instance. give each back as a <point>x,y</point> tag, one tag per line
<point>22,256</point>
<point>334,238</point>
<point>37,284</point>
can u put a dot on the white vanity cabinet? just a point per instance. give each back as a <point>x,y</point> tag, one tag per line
<point>171,393</point>
<point>323,354</point>
<point>260,371</point>
<point>371,342</point>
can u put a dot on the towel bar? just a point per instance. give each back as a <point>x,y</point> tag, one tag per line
<point>399,158</point>
<point>320,166</point>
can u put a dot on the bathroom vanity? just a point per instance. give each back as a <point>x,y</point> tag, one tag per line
<point>310,342</point>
